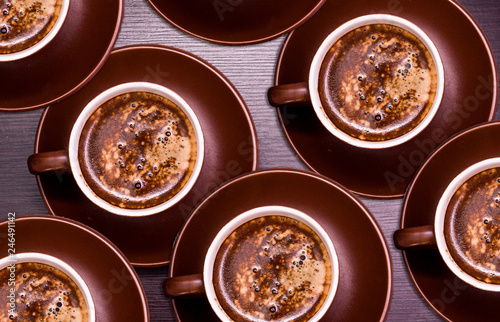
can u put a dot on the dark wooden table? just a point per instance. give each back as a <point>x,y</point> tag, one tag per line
<point>251,70</point>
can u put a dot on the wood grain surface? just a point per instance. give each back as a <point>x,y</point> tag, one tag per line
<point>251,69</point>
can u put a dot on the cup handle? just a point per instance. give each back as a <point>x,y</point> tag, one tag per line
<point>421,237</point>
<point>40,163</point>
<point>297,94</point>
<point>187,286</point>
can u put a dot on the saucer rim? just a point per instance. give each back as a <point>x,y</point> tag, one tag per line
<point>249,41</point>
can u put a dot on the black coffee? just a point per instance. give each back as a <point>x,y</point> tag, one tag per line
<point>137,150</point>
<point>42,293</point>
<point>472,226</point>
<point>272,268</point>
<point>24,23</point>
<point>377,82</point>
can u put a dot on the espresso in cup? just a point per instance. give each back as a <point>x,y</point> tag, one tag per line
<point>137,150</point>
<point>270,263</point>
<point>272,268</point>
<point>466,228</point>
<point>472,226</point>
<point>24,23</point>
<point>377,82</point>
<point>42,293</point>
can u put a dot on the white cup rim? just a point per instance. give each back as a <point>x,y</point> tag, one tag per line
<point>102,98</point>
<point>440,217</point>
<point>256,213</point>
<point>44,41</point>
<point>330,41</point>
<point>59,264</point>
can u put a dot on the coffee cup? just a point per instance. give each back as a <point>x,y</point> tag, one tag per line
<point>28,26</point>
<point>466,228</point>
<point>375,82</point>
<point>268,263</point>
<point>136,149</point>
<point>37,285</point>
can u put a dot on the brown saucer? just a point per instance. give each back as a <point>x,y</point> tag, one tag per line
<point>237,22</point>
<point>111,279</point>
<point>470,94</point>
<point>451,298</point>
<point>67,62</point>
<point>230,141</point>
<point>365,286</point>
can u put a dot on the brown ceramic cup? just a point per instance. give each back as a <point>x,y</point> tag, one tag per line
<point>37,286</point>
<point>302,267</point>
<point>466,229</point>
<point>27,26</point>
<point>375,82</point>
<point>136,149</point>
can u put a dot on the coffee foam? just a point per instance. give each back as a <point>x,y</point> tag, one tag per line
<point>23,23</point>
<point>379,82</point>
<point>272,268</point>
<point>43,293</point>
<point>472,226</point>
<point>137,150</point>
